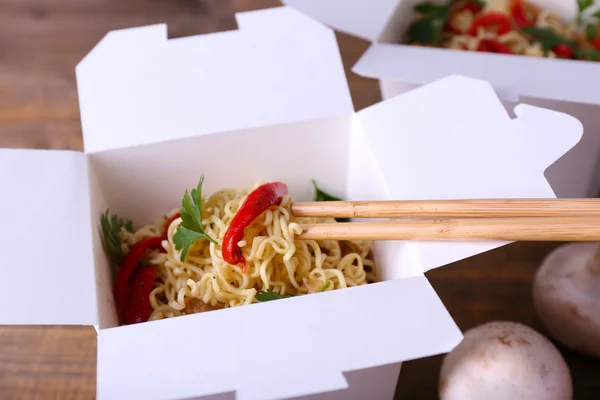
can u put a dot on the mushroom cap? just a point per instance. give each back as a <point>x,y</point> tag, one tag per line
<point>566,297</point>
<point>504,360</point>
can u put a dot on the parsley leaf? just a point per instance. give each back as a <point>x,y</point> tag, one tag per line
<point>587,54</point>
<point>184,239</point>
<point>550,39</point>
<point>547,37</point>
<point>268,295</point>
<point>110,226</point>
<point>428,29</point>
<point>191,228</point>
<point>591,31</point>
<point>596,14</point>
<point>321,195</point>
<point>584,4</point>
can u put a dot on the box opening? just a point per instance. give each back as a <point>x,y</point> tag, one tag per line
<point>134,186</point>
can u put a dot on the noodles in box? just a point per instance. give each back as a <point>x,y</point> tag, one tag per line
<point>233,248</point>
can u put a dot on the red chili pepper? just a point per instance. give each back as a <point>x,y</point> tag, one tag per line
<point>140,309</point>
<point>596,42</point>
<point>168,223</point>
<point>493,46</point>
<point>563,51</point>
<point>483,47</point>
<point>257,202</point>
<point>491,19</point>
<point>519,14</point>
<point>128,269</point>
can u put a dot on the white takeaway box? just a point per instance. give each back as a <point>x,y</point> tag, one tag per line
<point>259,102</point>
<point>568,86</point>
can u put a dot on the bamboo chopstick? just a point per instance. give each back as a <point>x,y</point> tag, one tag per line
<point>480,208</point>
<point>469,229</point>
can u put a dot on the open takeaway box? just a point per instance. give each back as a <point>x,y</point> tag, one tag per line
<point>260,102</point>
<point>569,86</point>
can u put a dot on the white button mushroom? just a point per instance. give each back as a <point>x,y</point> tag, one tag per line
<point>505,360</point>
<point>566,296</point>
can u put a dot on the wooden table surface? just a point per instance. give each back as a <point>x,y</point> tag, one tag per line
<point>40,43</point>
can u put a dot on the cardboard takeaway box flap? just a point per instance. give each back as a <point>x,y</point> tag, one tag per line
<point>429,148</point>
<point>380,321</point>
<point>511,76</point>
<point>45,230</point>
<point>200,80</point>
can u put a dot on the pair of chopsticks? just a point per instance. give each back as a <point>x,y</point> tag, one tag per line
<point>561,220</point>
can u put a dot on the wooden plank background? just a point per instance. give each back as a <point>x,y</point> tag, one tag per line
<point>41,41</point>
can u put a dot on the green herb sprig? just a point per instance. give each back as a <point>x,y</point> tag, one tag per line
<point>428,28</point>
<point>268,295</point>
<point>582,6</point>
<point>321,195</point>
<point>591,31</point>
<point>110,226</point>
<point>549,39</point>
<point>191,228</point>
<point>587,54</point>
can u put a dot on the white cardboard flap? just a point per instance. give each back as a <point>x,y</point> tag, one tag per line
<point>46,251</point>
<point>237,350</point>
<point>137,87</point>
<point>365,19</point>
<point>514,75</point>
<point>452,139</point>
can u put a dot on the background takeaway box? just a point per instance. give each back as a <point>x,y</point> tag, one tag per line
<point>568,86</point>
<point>260,102</point>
